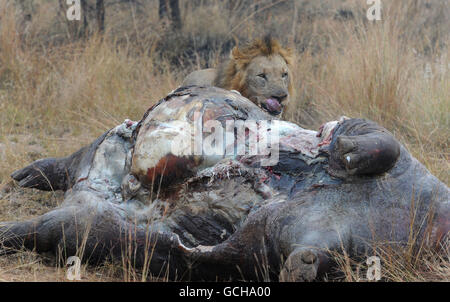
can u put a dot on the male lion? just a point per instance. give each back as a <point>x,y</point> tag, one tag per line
<point>260,71</point>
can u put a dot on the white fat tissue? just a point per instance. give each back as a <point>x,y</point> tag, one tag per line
<point>108,167</point>
<point>165,138</point>
<point>308,142</point>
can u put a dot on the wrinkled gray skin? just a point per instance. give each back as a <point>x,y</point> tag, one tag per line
<point>234,219</point>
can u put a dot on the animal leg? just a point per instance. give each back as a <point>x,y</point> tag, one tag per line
<point>95,232</point>
<point>303,264</point>
<point>42,233</point>
<point>363,148</point>
<point>52,174</point>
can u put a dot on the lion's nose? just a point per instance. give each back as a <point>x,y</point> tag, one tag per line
<point>280,98</point>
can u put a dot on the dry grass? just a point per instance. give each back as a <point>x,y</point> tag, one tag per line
<point>58,93</point>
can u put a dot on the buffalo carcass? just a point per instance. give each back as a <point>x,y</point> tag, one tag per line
<point>143,191</point>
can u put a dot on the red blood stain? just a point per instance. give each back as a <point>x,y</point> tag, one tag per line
<point>276,175</point>
<point>82,179</point>
<point>171,168</point>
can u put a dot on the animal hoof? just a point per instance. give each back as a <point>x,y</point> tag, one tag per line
<point>309,257</point>
<point>300,266</point>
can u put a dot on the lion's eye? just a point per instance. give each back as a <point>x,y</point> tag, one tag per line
<point>285,75</point>
<point>262,75</point>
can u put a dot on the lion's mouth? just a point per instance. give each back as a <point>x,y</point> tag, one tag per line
<point>272,106</point>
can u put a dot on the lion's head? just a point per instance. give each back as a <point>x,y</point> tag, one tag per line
<point>261,72</point>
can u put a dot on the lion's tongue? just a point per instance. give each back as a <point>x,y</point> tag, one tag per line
<point>273,105</point>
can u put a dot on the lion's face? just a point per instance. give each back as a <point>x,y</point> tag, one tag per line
<point>260,72</point>
<point>267,83</point>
